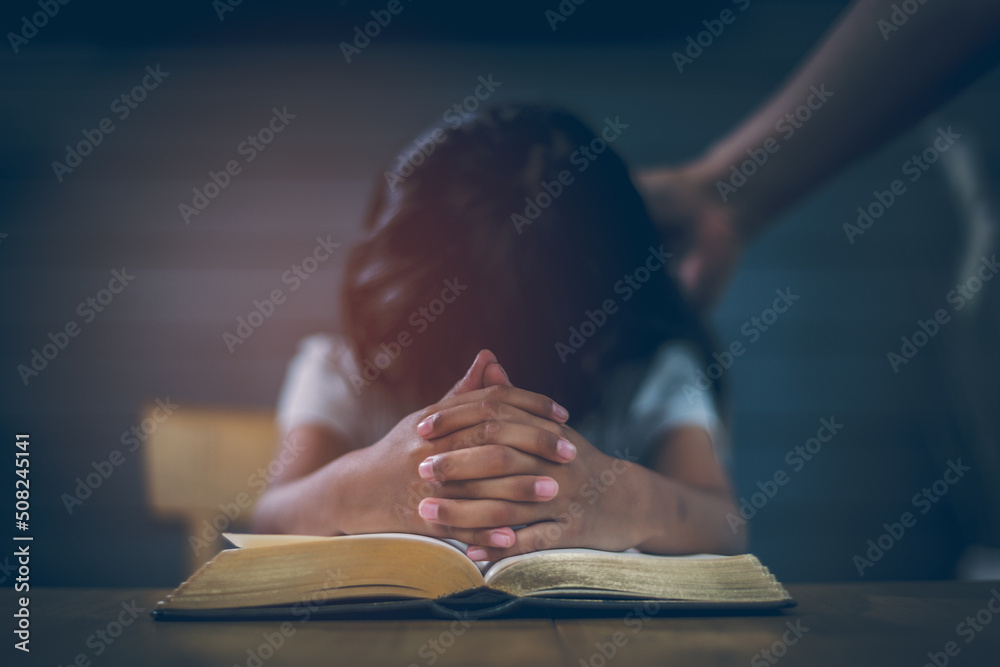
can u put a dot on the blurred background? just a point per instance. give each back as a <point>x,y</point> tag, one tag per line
<point>223,69</point>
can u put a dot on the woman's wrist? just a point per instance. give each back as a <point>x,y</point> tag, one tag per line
<point>302,506</point>
<point>632,503</point>
<point>340,486</point>
<point>683,519</point>
<point>663,508</point>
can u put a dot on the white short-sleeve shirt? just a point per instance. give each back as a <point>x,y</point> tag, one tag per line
<point>640,404</point>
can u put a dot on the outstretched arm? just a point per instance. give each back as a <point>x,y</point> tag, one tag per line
<point>875,73</point>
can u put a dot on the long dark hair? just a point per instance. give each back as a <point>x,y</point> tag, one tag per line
<point>477,202</point>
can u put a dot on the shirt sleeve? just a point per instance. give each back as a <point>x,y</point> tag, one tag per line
<point>317,389</point>
<point>674,394</point>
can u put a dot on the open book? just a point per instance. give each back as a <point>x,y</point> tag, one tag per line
<point>412,575</point>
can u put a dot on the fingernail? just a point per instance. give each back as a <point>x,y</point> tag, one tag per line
<point>426,427</point>
<point>559,412</point>
<point>475,553</point>
<point>499,539</point>
<point>546,488</point>
<point>428,509</point>
<point>504,372</point>
<point>565,449</point>
<point>426,469</point>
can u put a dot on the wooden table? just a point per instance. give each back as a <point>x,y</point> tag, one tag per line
<point>834,624</point>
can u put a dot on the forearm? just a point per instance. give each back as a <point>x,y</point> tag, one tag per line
<point>314,504</point>
<point>878,81</point>
<point>675,518</point>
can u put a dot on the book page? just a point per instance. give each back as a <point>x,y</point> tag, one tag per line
<point>492,569</point>
<point>592,573</point>
<point>253,540</point>
<point>270,570</point>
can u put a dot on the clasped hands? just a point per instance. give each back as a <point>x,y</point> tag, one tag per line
<point>490,457</point>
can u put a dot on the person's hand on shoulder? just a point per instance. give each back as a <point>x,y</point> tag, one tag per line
<point>697,226</point>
